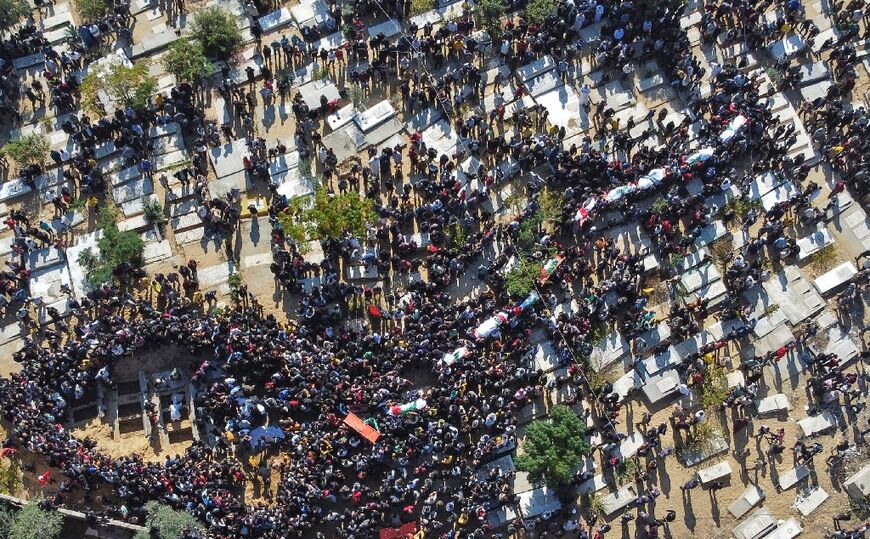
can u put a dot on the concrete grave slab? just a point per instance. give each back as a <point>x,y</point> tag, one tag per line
<point>620,499</point>
<point>818,424</point>
<point>750,497</point>
<point>772,405</point>
<point>809,503</point>
<point>227,159</point>
<point>814,242</point>
<point>661,386</point>
<point>781,193</point>
<point>791,477</point>
<point>611,349</point>
<point>388,28</point>
<point>835,278</point>
<point>156,251</point>
<point>133,190</point>
<point>699,277</point>
<point>536,68</point>
<point>543,83</point>
<point>858,485</point>
<point>276,19</point>
<point>372,117</point>
<point>312,91</point>
<point>715,473</point>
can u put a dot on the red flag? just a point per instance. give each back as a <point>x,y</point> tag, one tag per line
<point>374,311</point>
<point>44,478</point>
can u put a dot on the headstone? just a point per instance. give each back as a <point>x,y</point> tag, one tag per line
<point>13,189</point>
<point>772,405</point>
<point>751,497</point>
<point>858,485</point>
<point>628,447</point>
<point>714,473</point>
<point>28,61</point>
<point>759,524</point>
<point>662,385</point>
<point>813,500</point>
<point>341,117</point>
<point>710,233</point>
<point>812,73</point>
<point>544,83</point>
<point>611,348</point>
<point>818,424</point>
<point>133,190</point>
<point>156,251</point>
<point>276,19</point>
<point>835,278</point>
<point>781,193</point>
<point>538,67</point>
<point>787,46</point>
<point>699,277</point>
<point>374,116</point>
<point>593,485</point>
<point>620,499</point>
<point>153,42</point>
<point>389,28</point>
<point>312,91</point>
<point>814,243</point>
<point>792,477</point>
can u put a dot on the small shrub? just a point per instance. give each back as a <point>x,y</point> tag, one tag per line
<point>10,478</point>
<point>153,212</point>
<point>421,6</point>
<point>538,10</point>
<point>627,470</point>
<point>659,205</point>
<point>824,259</point>
<point>714,388</point>
<point>28,150</point>
<point>235,281</point>
<point>217,32</point>
<point>31,522</point>
<point>91,10</point>
<point>165,522</point>
<point>520,280</point>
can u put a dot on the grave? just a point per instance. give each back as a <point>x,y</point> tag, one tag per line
<point>215,275</point>
<point>312,91</point>
<point>592,485</point>
<point>787,46</point>
<point>536,68</point>
<point>627,383</point>
<point>791,478</point>
<point>227,159</point>
<point>835,278</point>
<point>388,28</point>
<point>858,485</point>
<point>807,504</point>
<point>133,190</point>
<point>769,323</point>
<point>699,277</point>
<point>342,143</point>
<point>710,233</point>
<point>781,193</point>
<point>814,243</point>
<point>611,349</point>
<point>653,337</point>
<point>796,297</point>
<point>13,189</point>
<point>276,19</point>
<point>772,405</point>
<point>628,447</point>
<point>815,91</point>
<point>813,73</point>
<point>661,386</point>
<point>544,357</point>
<point>818,424</point>
<point>759,524</point>
<point>763,184</point>
<point>156,251</point>
<point>618,500</point>
<point>153,42</point>
<point>662,361</point>
<point>751,497</point>
<point>543,83</point>
<point>735,379</point>
<point>715,473</point>
<point>374,116</point>
<point>28,61</point>
<point>292,184</point>
<point>341,117</point>
<point>383,133</point>
<point>692,457</point>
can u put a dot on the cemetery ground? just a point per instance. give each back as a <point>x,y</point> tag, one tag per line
<point>700,512</point>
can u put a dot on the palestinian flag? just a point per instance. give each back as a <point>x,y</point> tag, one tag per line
<point>549,267</point>
<point>454,356</point>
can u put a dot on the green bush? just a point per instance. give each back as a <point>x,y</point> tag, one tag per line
<point>31,522</point>
<point>332,215</point>
<point>6,519</point>
<point>530,226</point>
<point>153,211</point>
<point>186,60</point>
<point>115,247</point>
<point>28,150</point>
<point>551,202</point>
<point>165,522</point>
<point>217,32</point>
<point>554,447</point>
<point>11,11</point>
<point>132,86</point>
<point>91,10</point>
<point>10,478</point>
<point>520,280</point>
<point>421,6</point>
<point>487,15</point>
<point>538,10</point>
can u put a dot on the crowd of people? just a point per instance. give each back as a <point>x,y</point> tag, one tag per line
<point>254,373</point>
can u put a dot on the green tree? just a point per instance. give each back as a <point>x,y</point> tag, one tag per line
<point>10,478</point>
<point>11,12</point>
<point>91,10</point>
<point>165,522</point>
<point>132,86</point>
<point>186,60</point>
<point>538,10</point>
<point>554,448</point>
<point>332,215</point>
<point>31,521</point>
<point>529,227</point>
<point>153,211</point>
<point>29,149</point>
<point>291,221</point>
<point>487,15</point>
<point>217,32</point>
<point>551,202</point>
<point>7,517</point>
<point>520,280</point>
<point>421,6</point>
<point>116,247</point>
